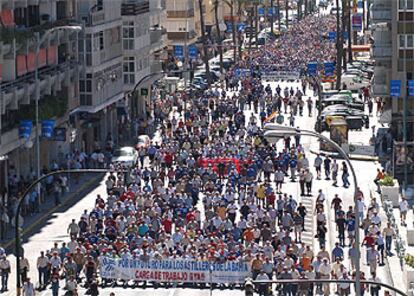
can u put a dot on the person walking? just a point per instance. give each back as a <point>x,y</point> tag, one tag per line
<point>334,169</point>
<point>43,267</point>
<point>28,288</point>
<point>55,285</point>
<point>5,270</point>
<point>374,288</point>
<point>389,234</point>
<point>345,175</point>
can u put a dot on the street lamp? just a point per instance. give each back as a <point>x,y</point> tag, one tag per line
<point>39,41</point>
<point>19,206</point>
<point>276,131</point>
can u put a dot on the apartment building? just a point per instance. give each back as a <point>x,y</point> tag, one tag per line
<point>101,81</point>
<point>143,39</point>
<point>393,51</point>
<point>24,24</point>
<point>183,22</point>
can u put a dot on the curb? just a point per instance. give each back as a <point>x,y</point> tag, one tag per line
<point>351,156</point>
<point>50,211</point>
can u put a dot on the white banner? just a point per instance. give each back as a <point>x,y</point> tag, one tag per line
<point>278,75</point>
<point>174,270</point>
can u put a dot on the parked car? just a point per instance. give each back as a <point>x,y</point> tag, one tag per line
<point>343,99</point>
<point>125,156</point>
<point>355,118</point>
<point>354,82</point>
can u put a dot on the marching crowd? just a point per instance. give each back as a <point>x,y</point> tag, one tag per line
<point>214,190</point>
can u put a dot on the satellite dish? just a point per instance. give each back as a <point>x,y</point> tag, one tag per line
<point>28,144</point>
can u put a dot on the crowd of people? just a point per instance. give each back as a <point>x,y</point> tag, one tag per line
<point>214,190</point>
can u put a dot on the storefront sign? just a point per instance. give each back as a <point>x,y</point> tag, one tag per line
<point>171,270</point>
<point>411,88</point>
<point>280,75</point>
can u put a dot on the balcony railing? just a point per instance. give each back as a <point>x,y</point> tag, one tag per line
<point>180,13</point>
<point>381,14</point>
<point>135,7</point>
<point>181,35</point>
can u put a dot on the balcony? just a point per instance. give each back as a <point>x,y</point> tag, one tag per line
<point>132,7</point>
<point>380,14</point>
<point>381,52</point>
<point>181,35</point>
<point>180,13</point>
<point>51,79</point>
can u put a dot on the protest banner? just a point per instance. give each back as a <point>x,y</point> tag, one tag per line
<point>174,270</point>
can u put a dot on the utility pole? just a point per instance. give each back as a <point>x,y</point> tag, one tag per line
<point>287,13</point>
<point>348,9</point>
<point>256,23</point>
<point>203,38</point>
<point>344,24</point>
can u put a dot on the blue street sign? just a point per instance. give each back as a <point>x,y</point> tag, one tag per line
<point>411,88</point>
<point>332,36</point>
<point>346,35</point>
<point>25,129</point>
<point>47,128</point>
<point>312,68</point>
<point>229,27</point>
<point>273,12</point>
<point>241,27</point>
<point>178,51</point>
<point>192,52</point>
<point>329,68</point>
<point>237,72</point>
<point>395,88</point>
<point>360,4</point>
<point>261,11</point>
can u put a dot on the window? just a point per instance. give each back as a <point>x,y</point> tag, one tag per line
<point>128,35</point>
<point>129,70</point>
<point>405,5</point>
<point>406,41</point>
<point>101,40</point>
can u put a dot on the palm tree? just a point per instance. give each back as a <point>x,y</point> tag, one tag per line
<point>339,47</point>
<point>219,43</point>
<point>204,41</point>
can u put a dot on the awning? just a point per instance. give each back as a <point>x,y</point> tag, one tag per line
<point>97,108</point>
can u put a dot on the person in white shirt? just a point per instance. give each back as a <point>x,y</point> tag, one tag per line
<point>5,271</point>
<point>42,265</point>
<point>325,272</point>
<point>263,288</point>
<point>403,211</point>
<point>374,289</point>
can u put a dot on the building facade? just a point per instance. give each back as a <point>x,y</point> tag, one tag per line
<point>26,26</point>
<point>393,51</point>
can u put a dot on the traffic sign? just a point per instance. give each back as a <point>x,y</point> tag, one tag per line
<point>261,11</point>
<point>241,27</point>
<point>229,27</point>
<point>312,68</point>
<point>192,52</point>
<point>178,51</point>
<point>329,68</point>
<point>332,36</point>
<point>273,12</point>
<point>395,88</point>
<point>411,88</point>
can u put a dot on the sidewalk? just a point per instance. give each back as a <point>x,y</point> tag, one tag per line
<point>31,221</point>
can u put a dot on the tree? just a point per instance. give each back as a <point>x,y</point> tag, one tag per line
<point>219,43</point>
<point>306,7</point>
<point>339,47</point>
<point>204,41</point>
<point>287,13</point>
<point>279,23</point>
<point>272,17</point>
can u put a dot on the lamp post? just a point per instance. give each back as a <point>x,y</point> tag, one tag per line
<point>39,41</point>
<point>276,131</point>
<point>17,241</point>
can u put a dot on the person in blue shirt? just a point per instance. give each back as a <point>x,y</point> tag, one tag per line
<point>337,252</point>
<point>293,163</point>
